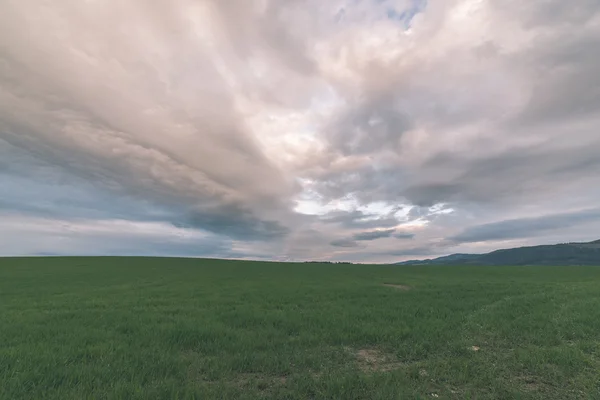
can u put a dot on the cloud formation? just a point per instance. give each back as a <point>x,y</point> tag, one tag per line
<point>526,227</point>
<point>374,235</point>
<point>299,130</point>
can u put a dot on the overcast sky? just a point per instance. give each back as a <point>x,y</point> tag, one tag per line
<point>359,130</point>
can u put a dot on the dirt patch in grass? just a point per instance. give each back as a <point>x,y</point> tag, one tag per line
<point>243,380</point>
<point>396,286</point>
<point>374,360</point>
<point>260,381</point>
<point>532,383</point>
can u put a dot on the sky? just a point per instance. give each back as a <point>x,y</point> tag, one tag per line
<point>346,130</point>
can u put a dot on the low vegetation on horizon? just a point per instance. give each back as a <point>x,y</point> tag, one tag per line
<point>159,328</point>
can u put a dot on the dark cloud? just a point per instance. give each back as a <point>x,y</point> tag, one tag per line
<point>235,223</point>
<point>404,235</point>
<point>71,197</point>
<point>525,227</point>
<point>373,235</point>
<point>344,243</point>
<point>518,175</point>
<point>33,187</point>
<point>429,194</point>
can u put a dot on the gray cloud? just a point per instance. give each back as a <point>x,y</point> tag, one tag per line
<point>344,243</point>
<point>414,251</point>
<point>235,223</point>
<point>404,235</point>
<point>23,234</point>
<point>525,227</point>
<point>569,88</point>
<point>370,127</point>
<point>515,157</point>
<point>517,175</point>
<point>221,117</point>
<point>357,219</point>
<point>373,235</point>
<point>33,187</point>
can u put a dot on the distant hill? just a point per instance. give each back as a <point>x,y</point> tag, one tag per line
<point>558,254</point>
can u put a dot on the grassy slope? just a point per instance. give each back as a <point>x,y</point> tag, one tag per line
<point>134,328</point>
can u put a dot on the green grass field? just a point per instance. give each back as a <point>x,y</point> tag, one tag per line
<point>151,328</point>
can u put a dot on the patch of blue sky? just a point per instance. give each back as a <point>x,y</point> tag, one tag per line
<point>389,10</point>
<point>406,16</point>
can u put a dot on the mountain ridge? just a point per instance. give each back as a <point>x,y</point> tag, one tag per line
<point>575,253</point>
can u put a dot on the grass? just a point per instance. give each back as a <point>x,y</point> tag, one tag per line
<point>150,328</point>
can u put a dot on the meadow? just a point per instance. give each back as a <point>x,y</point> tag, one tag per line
<point>160,328</point>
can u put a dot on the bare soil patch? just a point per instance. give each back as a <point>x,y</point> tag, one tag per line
<point>396,286</point>
<point>531,383</point>
<point>374,360</point>
<point>248,380</point>
<point>260,381</point>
